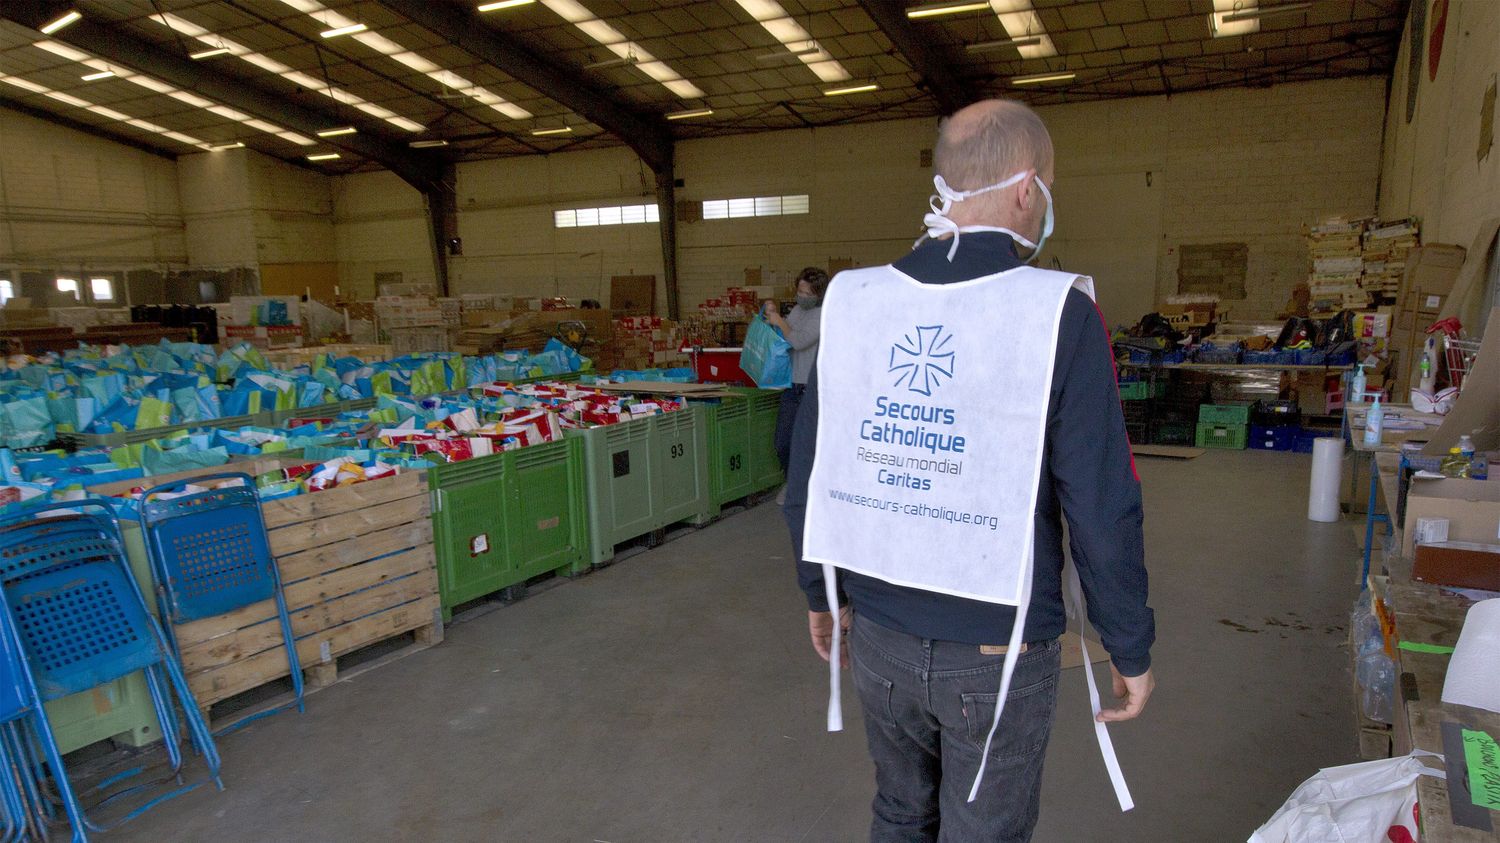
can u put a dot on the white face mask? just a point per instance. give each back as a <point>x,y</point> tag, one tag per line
<point>938,223</point>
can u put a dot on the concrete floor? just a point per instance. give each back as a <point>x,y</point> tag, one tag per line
<point>675,697</point>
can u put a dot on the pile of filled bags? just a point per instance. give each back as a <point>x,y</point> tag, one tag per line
<point>109,389</point>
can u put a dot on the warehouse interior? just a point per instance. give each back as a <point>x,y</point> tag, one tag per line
<point>424,272</point>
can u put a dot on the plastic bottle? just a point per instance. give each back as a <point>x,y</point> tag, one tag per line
<point>1455,464</point>
<point>1357,385</point>
<point>1466,446</point>
<point>1374,422</point>
<point>1428,383</point>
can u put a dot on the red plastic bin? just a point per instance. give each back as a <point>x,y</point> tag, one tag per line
<point>718,365</point>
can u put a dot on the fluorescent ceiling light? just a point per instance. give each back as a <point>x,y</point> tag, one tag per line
<point>775,20</point>
<point>986,46</point>
<point>324,156</point>
<point>617,61</point>
<point>94,77</point>
<point>208,54</point>
<point>1222,28</point>
<point>427,144</point>
<point>613,40</point>
<point>1021,22</point>
<point>692,112</point>
<point>1042,78</point>
<point>396,52</point>
<point>788,56</point>
<point>344,30</point>
<point>936,9</point>
<point>1261,13</point>
<point>71,17</point>
<point>223,146</point>
<point>565,130</point>
<point>160,87</point>
<point>270,65</point>
<point>102,111</point>
<point>503,4</point>
<point>852,89</point>
<point>333,133</point>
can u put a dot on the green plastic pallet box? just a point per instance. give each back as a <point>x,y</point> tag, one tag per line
<point>644,474</point>
<point>729,449</point>
<point>765,465</point>
<point>500,520</point>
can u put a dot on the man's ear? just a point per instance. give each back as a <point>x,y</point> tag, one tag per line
<point>1026,191</point>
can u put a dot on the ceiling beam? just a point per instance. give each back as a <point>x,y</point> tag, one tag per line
<point>164,150</point>
<point>461,26</point>
<point>924,59</point>
<point>117,46</point>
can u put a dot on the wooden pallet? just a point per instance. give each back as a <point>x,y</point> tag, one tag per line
<point>357,568</point>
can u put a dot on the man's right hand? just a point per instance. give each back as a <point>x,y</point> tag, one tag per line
<point>1132,692</point>
<point>820,626</point>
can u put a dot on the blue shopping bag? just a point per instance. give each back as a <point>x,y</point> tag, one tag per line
<point>766,356</point>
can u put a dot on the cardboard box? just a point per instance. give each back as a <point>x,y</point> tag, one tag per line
<point>1433,268</point>
<point>1461,564</point>
<point>1472,508</point>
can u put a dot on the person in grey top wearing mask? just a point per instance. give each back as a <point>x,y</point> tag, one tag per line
<point>801,329</point>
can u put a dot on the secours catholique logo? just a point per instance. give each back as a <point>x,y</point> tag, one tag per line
<point>921,364</point>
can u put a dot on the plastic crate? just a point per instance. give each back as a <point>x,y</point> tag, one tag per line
<point>1217,354</point>
<point>1227,436</point>
<point>1311,357</point>
<point>1172,433</point>
<point>1272,438</point>
<point>765,464</point>
<point>1224,414</point>
<point>1135,391</point>
<point>1275,414</point>
<point>499,520</point>
<point>627,468</point>
<point>279,418</point>
<point>1306,437</point>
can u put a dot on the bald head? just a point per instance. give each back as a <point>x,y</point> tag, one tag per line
<point>986,143</point>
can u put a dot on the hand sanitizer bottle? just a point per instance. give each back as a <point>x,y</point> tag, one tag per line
<point>1374,421</point>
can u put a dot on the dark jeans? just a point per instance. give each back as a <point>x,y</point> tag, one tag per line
<point>928,707</point>
<point>786,417</point>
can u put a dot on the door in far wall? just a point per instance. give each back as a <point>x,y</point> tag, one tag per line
<point>1109,228</point>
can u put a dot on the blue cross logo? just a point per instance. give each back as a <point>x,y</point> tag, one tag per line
<point>921,364</point>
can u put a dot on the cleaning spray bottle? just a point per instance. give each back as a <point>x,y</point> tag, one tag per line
<point>1374,421</point>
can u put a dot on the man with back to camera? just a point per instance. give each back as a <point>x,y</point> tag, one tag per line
<point>927,664</point>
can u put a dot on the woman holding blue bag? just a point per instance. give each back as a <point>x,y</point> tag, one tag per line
<point>800,327</point>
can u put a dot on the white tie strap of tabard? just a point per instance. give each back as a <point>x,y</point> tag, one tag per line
<point>1101,732</point>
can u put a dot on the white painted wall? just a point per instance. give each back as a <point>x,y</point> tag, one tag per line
<point>69,199</point>
<point>243,208</point>
<point>380,225</point>
<point>1238,165</point>
<point>1431,166</point>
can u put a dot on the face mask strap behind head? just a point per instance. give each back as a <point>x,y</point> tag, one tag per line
<point>939,224</point>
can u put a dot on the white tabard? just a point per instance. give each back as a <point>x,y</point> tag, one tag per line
<point>932,414</point>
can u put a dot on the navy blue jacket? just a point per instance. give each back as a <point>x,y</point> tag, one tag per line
<point>1088,476</point>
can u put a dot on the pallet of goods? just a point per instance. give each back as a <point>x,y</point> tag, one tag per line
<point>647,342</point>
<point>1385,248</point>
<point>1334,250</point>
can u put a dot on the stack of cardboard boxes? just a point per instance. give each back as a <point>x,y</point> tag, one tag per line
<point>647,342</point>
<point>1384,250</point>
<point>1428,278</point>
<point>1334,247</point>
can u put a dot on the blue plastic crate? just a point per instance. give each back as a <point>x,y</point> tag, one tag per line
<point>1306,438</point>
<point>1272,438</point>
<point>1219,354</point>
<point>1311,357</point>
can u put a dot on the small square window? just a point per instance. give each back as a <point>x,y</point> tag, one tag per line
<point>68,285</point>
<point>609,216</point>
<point>741,208</point>
<point>565,219</point>
<point>653,213</point>
<point>102,289</point>
<point>7,290</point>
<point>633,213</point>
<point>588,216</point>
<point>794,204</point>
<point>768,206</point>
<point>716,209</point>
